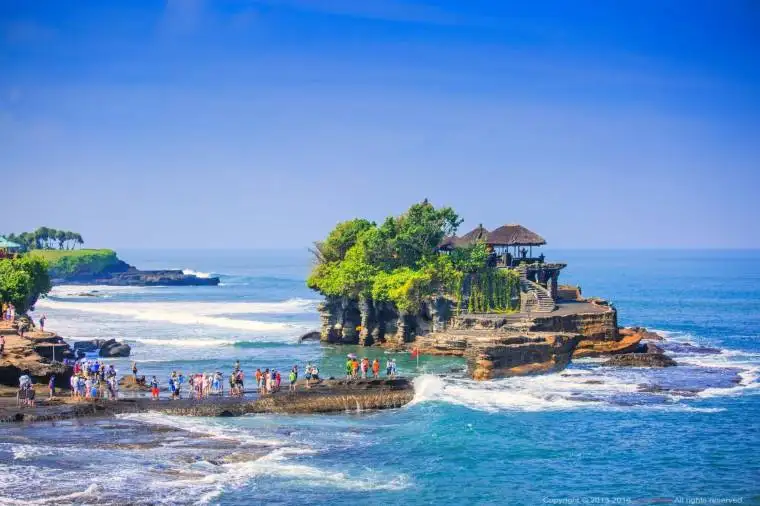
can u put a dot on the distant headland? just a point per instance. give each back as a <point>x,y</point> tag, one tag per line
<point>69,265</point>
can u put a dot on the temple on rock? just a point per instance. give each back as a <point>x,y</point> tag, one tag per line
<point>507,314</point>
<point>511,247</point>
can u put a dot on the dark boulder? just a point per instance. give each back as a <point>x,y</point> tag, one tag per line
<point>113,348</point>
<point>105,348</point>
<point>649,348</point>
<point>86,346</point>
<point>640,360</point>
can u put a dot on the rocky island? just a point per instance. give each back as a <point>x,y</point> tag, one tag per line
<point>104,267</point>
<point>411,283</point>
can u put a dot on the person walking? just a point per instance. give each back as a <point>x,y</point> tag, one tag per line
<point>134,370</point>
<point>293,377</point>
<point>51,386</point>
<point>2,345</point>
<point>375,368</point>
<point>154,388</point>
<point>43,318</point>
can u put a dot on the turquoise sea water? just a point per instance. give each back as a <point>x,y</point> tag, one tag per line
<point>588,435</point>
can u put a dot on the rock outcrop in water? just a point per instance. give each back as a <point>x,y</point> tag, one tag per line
<point>103,267</point>
<point>131,276</point>
<point>105,347</point>
<point>641,360</point>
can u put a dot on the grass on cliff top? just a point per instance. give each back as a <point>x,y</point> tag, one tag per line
<point>52,256</point>
<point>64,263</point>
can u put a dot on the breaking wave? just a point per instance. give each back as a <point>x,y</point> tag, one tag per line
<point>588,385</point>
<point>197,274</point>
<point>209,342</point>
<point>193,313</point>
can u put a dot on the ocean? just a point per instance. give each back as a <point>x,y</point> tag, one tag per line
<point>587,435</point>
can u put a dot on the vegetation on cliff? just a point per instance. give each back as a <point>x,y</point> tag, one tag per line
<point>65,263</point>
<point>399,262</point>
<point>47,238</point>
<point>23,280</point>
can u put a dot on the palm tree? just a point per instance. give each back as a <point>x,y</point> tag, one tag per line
<point>40,237</point>
<point>78,239</point>
<point>60,236</point>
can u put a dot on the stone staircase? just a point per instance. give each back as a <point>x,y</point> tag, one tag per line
<point>536,298</point>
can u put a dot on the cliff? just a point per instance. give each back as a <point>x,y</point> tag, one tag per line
<point>103,267</point>
<point>33,353</point>
<point>494,344</point>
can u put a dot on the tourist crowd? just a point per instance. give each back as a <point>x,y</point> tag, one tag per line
<point>356,368</point>
<point>93,380</point>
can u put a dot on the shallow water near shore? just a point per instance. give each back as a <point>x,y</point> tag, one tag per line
<point>587,433</point>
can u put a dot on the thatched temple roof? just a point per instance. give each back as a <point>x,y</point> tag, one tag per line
<point>508,235</point>
<point>514,235</point>
<point>476,234</point>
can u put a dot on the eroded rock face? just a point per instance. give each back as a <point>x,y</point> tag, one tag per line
<point>369,323</point>
<point>641,360</point>
<point>34,356</point>
<point>520,355</point>
<point>629,340</point>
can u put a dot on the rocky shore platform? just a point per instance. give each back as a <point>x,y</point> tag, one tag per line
<point>328,396</point>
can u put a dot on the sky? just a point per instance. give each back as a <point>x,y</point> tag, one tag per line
<point>262,124</point>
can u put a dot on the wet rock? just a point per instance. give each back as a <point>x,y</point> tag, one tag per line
<point>314,335</point>
<point>658,389</point>
<point>640,360</point>
<point>690,348</point>
<point>649,348</point>
<point>113,348</point>
<point>133,384</point>
<point>107,347</point>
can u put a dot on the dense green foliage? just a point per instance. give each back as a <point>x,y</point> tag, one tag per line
<point>47,238</point>
<point>399,262</point>
<point>64,263</point>
<point>23,280</point>
<point>491,289</point>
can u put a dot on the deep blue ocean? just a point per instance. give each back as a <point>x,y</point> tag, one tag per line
<point>588,435</point>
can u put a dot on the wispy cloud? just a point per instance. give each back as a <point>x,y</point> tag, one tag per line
<point>386,10</point>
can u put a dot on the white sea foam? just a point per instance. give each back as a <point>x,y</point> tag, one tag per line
<point>208,427</point>
<point>88,291</point>
<point>277,463</point>
<point>587,387</point>
<point>537,393</point>
<point>191,272</point>
<point>212,314</point>
<point>199,343</point>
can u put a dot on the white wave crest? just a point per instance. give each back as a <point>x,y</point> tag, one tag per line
<point>192,313</point>
<point>277,463</point>
<point>187,343</point>
<point>93,291</point>
<point>191,272</point>
<point>536,393</point>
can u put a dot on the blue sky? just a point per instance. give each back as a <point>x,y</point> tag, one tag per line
<point>263,123</point>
